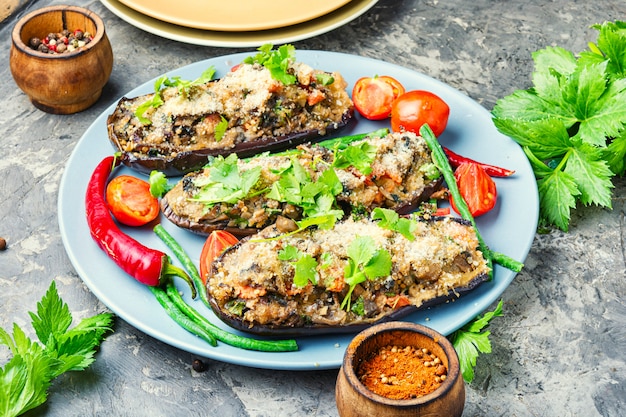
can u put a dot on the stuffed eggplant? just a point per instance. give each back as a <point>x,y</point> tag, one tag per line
<point>248,111</point>
<point>394,171</point>
<point>344,278</point>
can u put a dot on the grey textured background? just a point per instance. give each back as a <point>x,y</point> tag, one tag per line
<point>558,350</point>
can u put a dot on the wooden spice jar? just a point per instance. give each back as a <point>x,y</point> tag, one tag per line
<point>61,83</point>
<point>364,389</point>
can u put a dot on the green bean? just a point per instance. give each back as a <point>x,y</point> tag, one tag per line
<point>224,336</point>
<point>179,317</point>
<point>343,141</point>
<point>441,161</point>
<point>506,261</point>
<point>185,260</point>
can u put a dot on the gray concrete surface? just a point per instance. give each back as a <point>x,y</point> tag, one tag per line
<point>558,350</point>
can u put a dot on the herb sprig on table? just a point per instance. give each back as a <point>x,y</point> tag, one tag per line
<point>470,341</point>
<point>26,377</point>
<point>572,123</point>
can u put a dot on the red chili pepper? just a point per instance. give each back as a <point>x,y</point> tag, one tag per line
<point>148,266</point>
<point>492,170</point>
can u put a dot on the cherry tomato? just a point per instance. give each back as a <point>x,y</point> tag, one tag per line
<point>415,108</point>
<point>215,244</point>
<point>374,96</point>
<point>477,188</point>
<point>130,201</point>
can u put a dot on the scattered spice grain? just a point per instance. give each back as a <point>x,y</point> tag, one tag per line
<point>402,373</point>
<point>3,244</point>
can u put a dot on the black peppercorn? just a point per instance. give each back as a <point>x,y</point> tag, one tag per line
<point>198,365</point>
<point>34,43</point>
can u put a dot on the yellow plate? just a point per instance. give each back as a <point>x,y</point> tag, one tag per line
<point>237,15</point>
<point>228,39</point>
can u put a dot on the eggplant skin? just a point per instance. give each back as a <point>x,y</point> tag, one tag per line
<point>251,289</point>
<point>401,179</point>
<point>246,112</point>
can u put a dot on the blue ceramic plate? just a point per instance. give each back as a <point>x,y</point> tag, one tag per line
<point>509,228</point>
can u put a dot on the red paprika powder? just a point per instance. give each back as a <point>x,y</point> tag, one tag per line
<point>402,372</point>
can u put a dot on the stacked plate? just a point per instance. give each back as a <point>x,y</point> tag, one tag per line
<point>241,23</point>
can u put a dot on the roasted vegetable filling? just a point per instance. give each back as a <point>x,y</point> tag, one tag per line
<point>243,106</point>
<point>359,271</point>
<point>394,171</point>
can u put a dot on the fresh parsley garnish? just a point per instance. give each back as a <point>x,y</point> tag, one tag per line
<point>295,186</point>
<point>164,81</point>
<point>220,129</point>
<point>389,219</point>
<point>359,156</point>
<point>470,341</point>
<point>364,262</point>
<point>324,78</point>
<point>226,183</point>
<point>277,61</point>
<point>158,184</point>
<point>305,265</point>
<point>358,307</point>
<point>572,123</point>
<point>26,377</point>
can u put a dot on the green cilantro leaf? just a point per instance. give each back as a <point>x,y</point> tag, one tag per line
<point>364,262</point>
<point>470,341</point>
<point>220,129</point>
<point>390,220</point>
<point>360,156</point>
<point>158,184</point>
<point>277,61</point>
<point>324,78</point>
<point>226,183</point>
<point>26,377</point>
<point>305,265</point>
<point>164,81</point>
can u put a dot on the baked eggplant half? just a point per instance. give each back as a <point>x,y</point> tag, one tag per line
<point>394,171</point>
<point>246,112</point>
<point>344,278</point>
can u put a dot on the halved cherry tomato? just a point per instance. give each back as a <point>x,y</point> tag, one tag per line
<point>415,108</point>
<point>374,96</point>
<point>477,188</point>
<point>130,201</point>
<point>215,244</point>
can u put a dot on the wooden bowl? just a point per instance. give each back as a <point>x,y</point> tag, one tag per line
<point>354,399</point>
<point>62,83</point>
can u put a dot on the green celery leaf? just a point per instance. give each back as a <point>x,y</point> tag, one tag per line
<point>547,138</point>
<point>592,175</point>
<point>601,109</point>
<point>540,169</point>
<point>469,342</point>
<point>611,46</point>
<point>24,383</point>
<point>557,194</point>
<point>523,105</point>
<point>554,59</point>
<point>615,154</point>
<point>53,315</point>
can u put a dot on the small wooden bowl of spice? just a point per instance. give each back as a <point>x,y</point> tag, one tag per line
<point>61,58</point>
<point>400,369</point>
